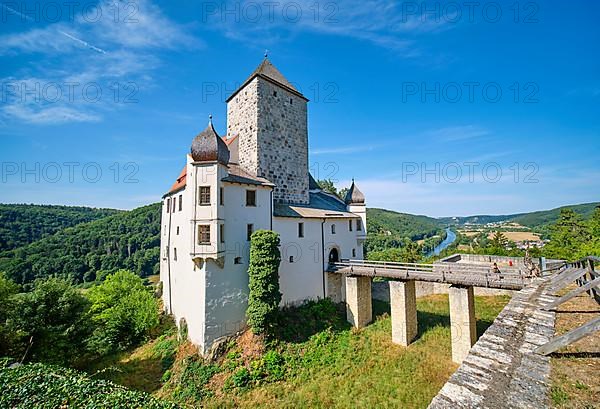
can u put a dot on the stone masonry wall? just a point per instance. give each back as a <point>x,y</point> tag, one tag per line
<point>272,125</point>
<point>242,120</point>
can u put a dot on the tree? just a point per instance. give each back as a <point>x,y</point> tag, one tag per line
<point>498,244</point>
<point>7,290</point>
<point>51,321</point>
<point>568,237</point>
<point>328,186</point>
<point>263,272</point>
<point>124,311</point>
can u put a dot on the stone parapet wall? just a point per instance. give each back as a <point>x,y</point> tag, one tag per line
<point>501,369</point>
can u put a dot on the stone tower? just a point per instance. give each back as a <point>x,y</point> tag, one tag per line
<point>269,116</point>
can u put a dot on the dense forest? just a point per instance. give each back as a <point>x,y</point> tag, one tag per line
<point>21,224</point>
<point>125,240</point>
<point>389,229</point>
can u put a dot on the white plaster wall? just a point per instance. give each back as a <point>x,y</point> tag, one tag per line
<point>302,279</point>
<point>227,287</point>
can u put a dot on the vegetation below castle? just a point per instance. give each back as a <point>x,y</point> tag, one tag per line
<point>315,360</point>
<point>125,240</point>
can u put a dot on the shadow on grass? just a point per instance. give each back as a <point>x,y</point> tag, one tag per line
<point>297,324</point>
<point>594,355</point>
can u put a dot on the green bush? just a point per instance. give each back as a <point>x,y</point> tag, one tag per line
<point>52,321</point>
<point>263,272</point>
<point>192,382</point>
<point>46,386</point>
<point>124,311</point>
<point>241,378</point>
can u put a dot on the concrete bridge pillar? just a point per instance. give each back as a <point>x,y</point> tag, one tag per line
<point>462,321</point>
<point>359,310</point>
<point>403,302</point>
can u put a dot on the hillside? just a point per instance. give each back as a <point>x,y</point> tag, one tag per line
<point>534,220</point>
<point>127,240</point>
<point>381,221</point>
<point>21,224</point>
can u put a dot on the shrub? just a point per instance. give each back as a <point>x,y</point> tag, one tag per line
<point>124,311</point>
<point>241,378</point>
<point>192,382</point>
<point>263,272</point>
<point>45,386</point>
<point>52,319</point>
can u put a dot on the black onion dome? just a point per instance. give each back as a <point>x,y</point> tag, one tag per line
<point>208,146</point>
<point>354,196</point>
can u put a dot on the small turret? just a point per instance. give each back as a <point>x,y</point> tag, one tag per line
<point>208,146</point>
<point>354,196</point>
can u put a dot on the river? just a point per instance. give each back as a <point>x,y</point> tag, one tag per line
<point>450,238</point>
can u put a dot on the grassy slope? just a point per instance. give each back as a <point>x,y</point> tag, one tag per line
<point>327,363</point>
<point>21,224</point>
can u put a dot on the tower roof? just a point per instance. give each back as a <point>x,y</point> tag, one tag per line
<point>354,196</point>
<point>269,72</point>
<point>209,146</point>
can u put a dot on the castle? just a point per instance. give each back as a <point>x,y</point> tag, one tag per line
<point>255,177</point>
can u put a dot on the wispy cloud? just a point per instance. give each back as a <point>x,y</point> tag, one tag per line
<point>383,23</point>
<point>458,133</point>
<point>345,149</point>
<point>100,53</point>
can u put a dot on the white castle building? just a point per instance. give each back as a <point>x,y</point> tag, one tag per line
<point>255,177</point>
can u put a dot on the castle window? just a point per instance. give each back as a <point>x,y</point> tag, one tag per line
<point>168,205</point>
<point>204,195</point>
<point>274,93</point>
<point>249,231</point>
<point>204,234</point>
<point>350,225</point>
<point>174,254</point>
<point>174,204</point>
<point>300,229</point>
<point>290,101</point>
<point>178,230</point>
<point>353,252</point>
<point>358,225</point>
<point>291,259</point>
<point>222,233</point>
<point>180,202</point>
<point>237,260</point>
<point>221,196</point>
<point>251,198</point>
<point>333,229</point>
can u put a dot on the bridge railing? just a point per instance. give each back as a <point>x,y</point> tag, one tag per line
<point>584,273</point>
<point>451,273</point>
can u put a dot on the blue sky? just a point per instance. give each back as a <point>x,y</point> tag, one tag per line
<point>422,103</point>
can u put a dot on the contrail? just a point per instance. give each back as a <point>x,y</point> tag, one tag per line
<point>80,41</point>
<point>17,12</point>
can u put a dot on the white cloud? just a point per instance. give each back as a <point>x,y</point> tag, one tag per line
<point>112,50</point>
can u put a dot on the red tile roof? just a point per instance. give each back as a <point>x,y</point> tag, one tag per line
<point>180,182</point>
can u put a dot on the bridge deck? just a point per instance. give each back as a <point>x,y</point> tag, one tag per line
<point>475,275</point>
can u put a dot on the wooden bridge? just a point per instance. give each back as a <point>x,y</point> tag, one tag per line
<point>461,275</point>
<point>350,280</point>
<point>474,275</point>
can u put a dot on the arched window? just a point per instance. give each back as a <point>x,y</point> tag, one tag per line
<point>333,229</point>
